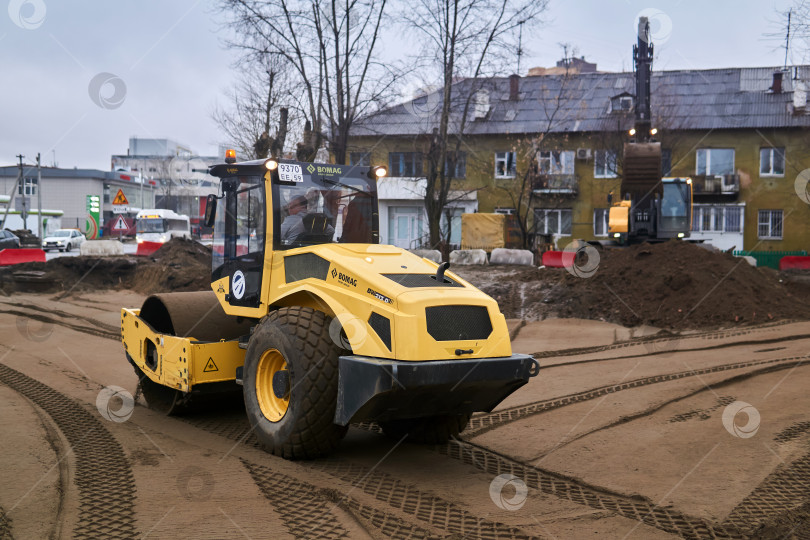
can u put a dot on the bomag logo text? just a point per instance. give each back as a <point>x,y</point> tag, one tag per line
<point>347,279</point>
<point>322,169</point>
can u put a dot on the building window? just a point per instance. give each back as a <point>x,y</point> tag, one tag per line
<point>724,219</point>
<point>556,162</point>
<point>772,162</point>
<point>360,158</point>
<point>621,104</point>
<point>405,163</point>
<point>715,161</point>
<point>770,225</point>
<point>505,211</point>
<point>457,170</point>
<point>27,187</point>
<point>604,164</point>
<point>600,221</point>
<point>553,221</point>
<point>505,165</point>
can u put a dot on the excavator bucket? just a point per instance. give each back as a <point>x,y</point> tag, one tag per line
<point>641,171</point>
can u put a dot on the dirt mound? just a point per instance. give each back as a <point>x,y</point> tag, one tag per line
<point>674,285</point>
<point>27,238</point>
<point>179,265</point>
<point>183,251</point>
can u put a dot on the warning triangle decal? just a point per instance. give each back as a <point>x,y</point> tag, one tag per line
<point>120,198</point>
<point>120,225</point>
<point>210,366</point>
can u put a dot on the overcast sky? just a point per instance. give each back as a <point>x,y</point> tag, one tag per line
<point>81,77</point>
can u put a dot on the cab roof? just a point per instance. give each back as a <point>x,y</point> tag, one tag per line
<point>258,167</point>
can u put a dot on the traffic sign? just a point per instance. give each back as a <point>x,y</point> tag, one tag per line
<point>120,224</point>
<point>120,209</point>
<point>120,198</point>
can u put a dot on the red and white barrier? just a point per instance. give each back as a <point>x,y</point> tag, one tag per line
<point>24,255</point>
<point>795,262</point>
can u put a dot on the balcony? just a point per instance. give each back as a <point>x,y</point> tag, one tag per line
<point>556,184</point>
<point>720,187</point>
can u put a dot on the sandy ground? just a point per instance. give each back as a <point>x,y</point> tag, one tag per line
<point>622,435</point>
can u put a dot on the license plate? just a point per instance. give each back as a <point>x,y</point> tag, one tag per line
<point>290,173</point>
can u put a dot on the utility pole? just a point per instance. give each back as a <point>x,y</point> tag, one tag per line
<point>11,198</point>
<point>40,232</point>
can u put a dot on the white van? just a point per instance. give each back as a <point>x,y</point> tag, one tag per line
<point>161,226</point>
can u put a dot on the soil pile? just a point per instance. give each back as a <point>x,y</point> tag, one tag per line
<point>27,238</point>
<point>674,285</point>
<point>179,265</point>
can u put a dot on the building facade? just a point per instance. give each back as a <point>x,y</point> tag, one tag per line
<point>180,175</point>
<point>76,193</point>
<point>548,149</point>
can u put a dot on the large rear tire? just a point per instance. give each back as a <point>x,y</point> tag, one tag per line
<point>290,384</point>
<point>430,430</point>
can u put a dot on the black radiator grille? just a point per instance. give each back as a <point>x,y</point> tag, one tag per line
<point>451,323</point>
<point>382,326</point>
<point>422,280</point>
<point>303,266</point>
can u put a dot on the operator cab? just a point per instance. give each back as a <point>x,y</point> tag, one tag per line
<point>309,204</point>
<point>675,215</point>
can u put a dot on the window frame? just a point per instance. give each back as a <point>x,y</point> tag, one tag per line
<point>708,171</point>
<point>596,160</point>
<point>557,161</point>
<point>558,212</point>
<point>28,187</point>
<point>770,224</point>
<point>771,152</point>
<point>416,162</point>
<point>365,158</point>
<point>510,172</point>
<point>718,216</point>
<point>461,166</point>
<point>606,214</point>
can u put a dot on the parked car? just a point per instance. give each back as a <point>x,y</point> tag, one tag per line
<point>63,240</point>
<point>8,240</point>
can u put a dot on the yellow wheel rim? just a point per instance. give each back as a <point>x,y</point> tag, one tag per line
<point>273,408</point>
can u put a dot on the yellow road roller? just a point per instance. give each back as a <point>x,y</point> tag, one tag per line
<point>320,324</point>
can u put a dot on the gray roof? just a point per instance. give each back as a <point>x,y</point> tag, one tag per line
<point>681,100</point>
<point>55,172</point>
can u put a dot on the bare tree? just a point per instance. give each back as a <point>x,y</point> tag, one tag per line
<point>463,39</point>
<point>331,48</point>
<point>555,102</point>
<point>260,94</point>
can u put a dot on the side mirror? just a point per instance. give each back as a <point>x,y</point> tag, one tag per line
<point>210,210</point>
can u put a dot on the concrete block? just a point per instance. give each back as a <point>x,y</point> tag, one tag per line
<point>429,254</point>
<point>750,260</point>
<point>511,256</point>
<point>468,256</point>
<point>102,247</point>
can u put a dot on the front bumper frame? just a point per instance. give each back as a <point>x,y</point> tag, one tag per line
<point>376,389</point>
